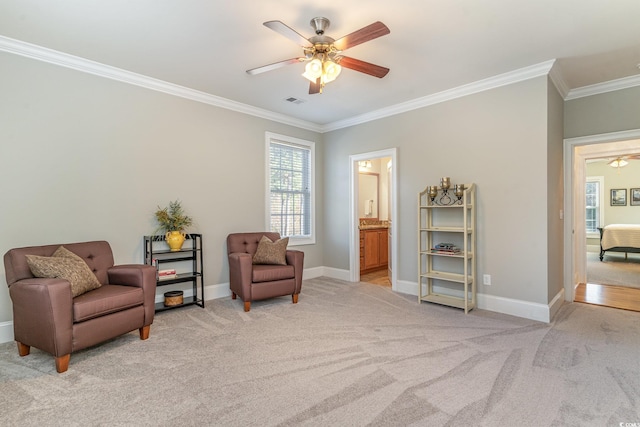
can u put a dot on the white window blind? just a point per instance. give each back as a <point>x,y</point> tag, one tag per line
<point>290,188</point>
<point>594,206</point>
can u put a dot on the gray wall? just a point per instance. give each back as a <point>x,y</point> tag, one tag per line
<point>496,139</point>
<point>555,191</point>
<point>604,113</point>
<point>87,158</point>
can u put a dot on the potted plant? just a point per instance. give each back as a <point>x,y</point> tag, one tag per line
<point>172,221</point>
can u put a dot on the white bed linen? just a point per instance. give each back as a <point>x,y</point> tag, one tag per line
<point>620,235</point>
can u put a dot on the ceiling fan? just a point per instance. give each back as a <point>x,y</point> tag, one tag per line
<point>621,161</point>
<point>323,54</point>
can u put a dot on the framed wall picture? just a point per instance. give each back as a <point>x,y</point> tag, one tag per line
<point>635,197</point>
<point>618,197</point>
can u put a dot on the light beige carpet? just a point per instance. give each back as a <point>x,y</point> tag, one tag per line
<point>347,354</point>
<point>614,269</point>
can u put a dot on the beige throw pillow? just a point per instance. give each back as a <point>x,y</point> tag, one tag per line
<point>270,252</point>
<point>64,264</point>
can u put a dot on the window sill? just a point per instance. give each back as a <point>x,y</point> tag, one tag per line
<point>301,241</point>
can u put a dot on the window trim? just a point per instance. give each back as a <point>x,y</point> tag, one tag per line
<point>270,138</point>
<point>600,181</point>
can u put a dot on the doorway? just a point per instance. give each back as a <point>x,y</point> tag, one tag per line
<point>389,205</point>
<point>576,152</point>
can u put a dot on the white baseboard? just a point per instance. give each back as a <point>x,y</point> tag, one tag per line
<point>6,332</point>
<point>221,290</point>
<point>336,273</point>
<point>312,273</point>
<point>555,304</point>
<point>513,307</point>
<point>407,287</point>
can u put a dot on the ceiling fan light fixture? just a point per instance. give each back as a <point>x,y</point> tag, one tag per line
<point>313,70</point>
<point>323,54</point>
<point>330,70</point>
<point>618,163</point>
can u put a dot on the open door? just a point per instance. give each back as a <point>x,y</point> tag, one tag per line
<point>354,244</point>
<point>576,152</point>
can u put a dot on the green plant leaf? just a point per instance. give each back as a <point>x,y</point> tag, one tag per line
<point>172,218</point>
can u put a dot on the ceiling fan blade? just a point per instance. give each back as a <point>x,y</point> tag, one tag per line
<point>370,32</point>
<point>282,29</point>
<point>315,87</point>
<point>363,67</point>
<point>275,65</point>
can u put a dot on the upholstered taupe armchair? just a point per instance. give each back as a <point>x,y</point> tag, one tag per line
<point>79,298</point>
<point>255,279</point>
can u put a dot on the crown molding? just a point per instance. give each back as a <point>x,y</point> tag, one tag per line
<point>51,56</point>
<point>599,88</point>
<point>447,95</point>
<point>76,63</point>
<point>555,74</point>
<point>84,65</point>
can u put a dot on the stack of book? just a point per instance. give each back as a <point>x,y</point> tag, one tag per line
<point>167,274</point>
<point>446,249</point>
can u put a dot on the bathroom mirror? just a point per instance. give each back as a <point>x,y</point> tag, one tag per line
<point>368,195</point>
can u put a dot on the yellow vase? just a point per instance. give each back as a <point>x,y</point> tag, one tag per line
<point>175,239</point>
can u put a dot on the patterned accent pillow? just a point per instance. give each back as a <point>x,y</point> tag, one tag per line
<point>64,264</point>
<point>270,252</point>
<point>63,252</point>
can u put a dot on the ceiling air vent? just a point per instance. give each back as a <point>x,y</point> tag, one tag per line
<point>294,100</point>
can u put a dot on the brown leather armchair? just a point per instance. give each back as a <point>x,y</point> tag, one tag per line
<point>46,316</point>
<point>256,282</point>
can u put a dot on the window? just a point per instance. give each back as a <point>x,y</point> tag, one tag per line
<point>594,206</point>
<point>290,188</point>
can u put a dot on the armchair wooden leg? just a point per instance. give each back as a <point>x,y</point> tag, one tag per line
<point>144,332</point>
<point>23,349</point>
<point>294,298</point>
<point>247,305</point>
<point>233,295</point>
<point>62,363</point>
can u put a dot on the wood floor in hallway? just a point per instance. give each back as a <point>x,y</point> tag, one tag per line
<point>379,277</point>
<point>608,295</point>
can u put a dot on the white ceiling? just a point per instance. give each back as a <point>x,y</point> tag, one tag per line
<point>434,45</point>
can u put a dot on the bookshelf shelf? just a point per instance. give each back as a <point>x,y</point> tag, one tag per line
<point>446,244</point>
<point>187,262</point>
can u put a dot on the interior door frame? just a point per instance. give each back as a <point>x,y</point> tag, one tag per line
<point>354,241</point>
<point>576,152</point>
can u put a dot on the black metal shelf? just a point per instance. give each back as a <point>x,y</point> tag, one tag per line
<point>180,278</point>
<point>156,253</point>
<point>187,301</point>
<point>175,259</point>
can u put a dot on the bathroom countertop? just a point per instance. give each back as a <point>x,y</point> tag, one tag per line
<point>372,226</point>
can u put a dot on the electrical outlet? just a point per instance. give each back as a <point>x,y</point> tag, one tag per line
<point>486,279</point>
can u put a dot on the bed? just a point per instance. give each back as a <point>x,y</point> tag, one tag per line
<point>619,238</point>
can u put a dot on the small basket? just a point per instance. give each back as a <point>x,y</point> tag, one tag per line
<point>172,298</point>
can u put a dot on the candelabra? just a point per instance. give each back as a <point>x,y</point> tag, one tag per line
<point>445,198</point>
